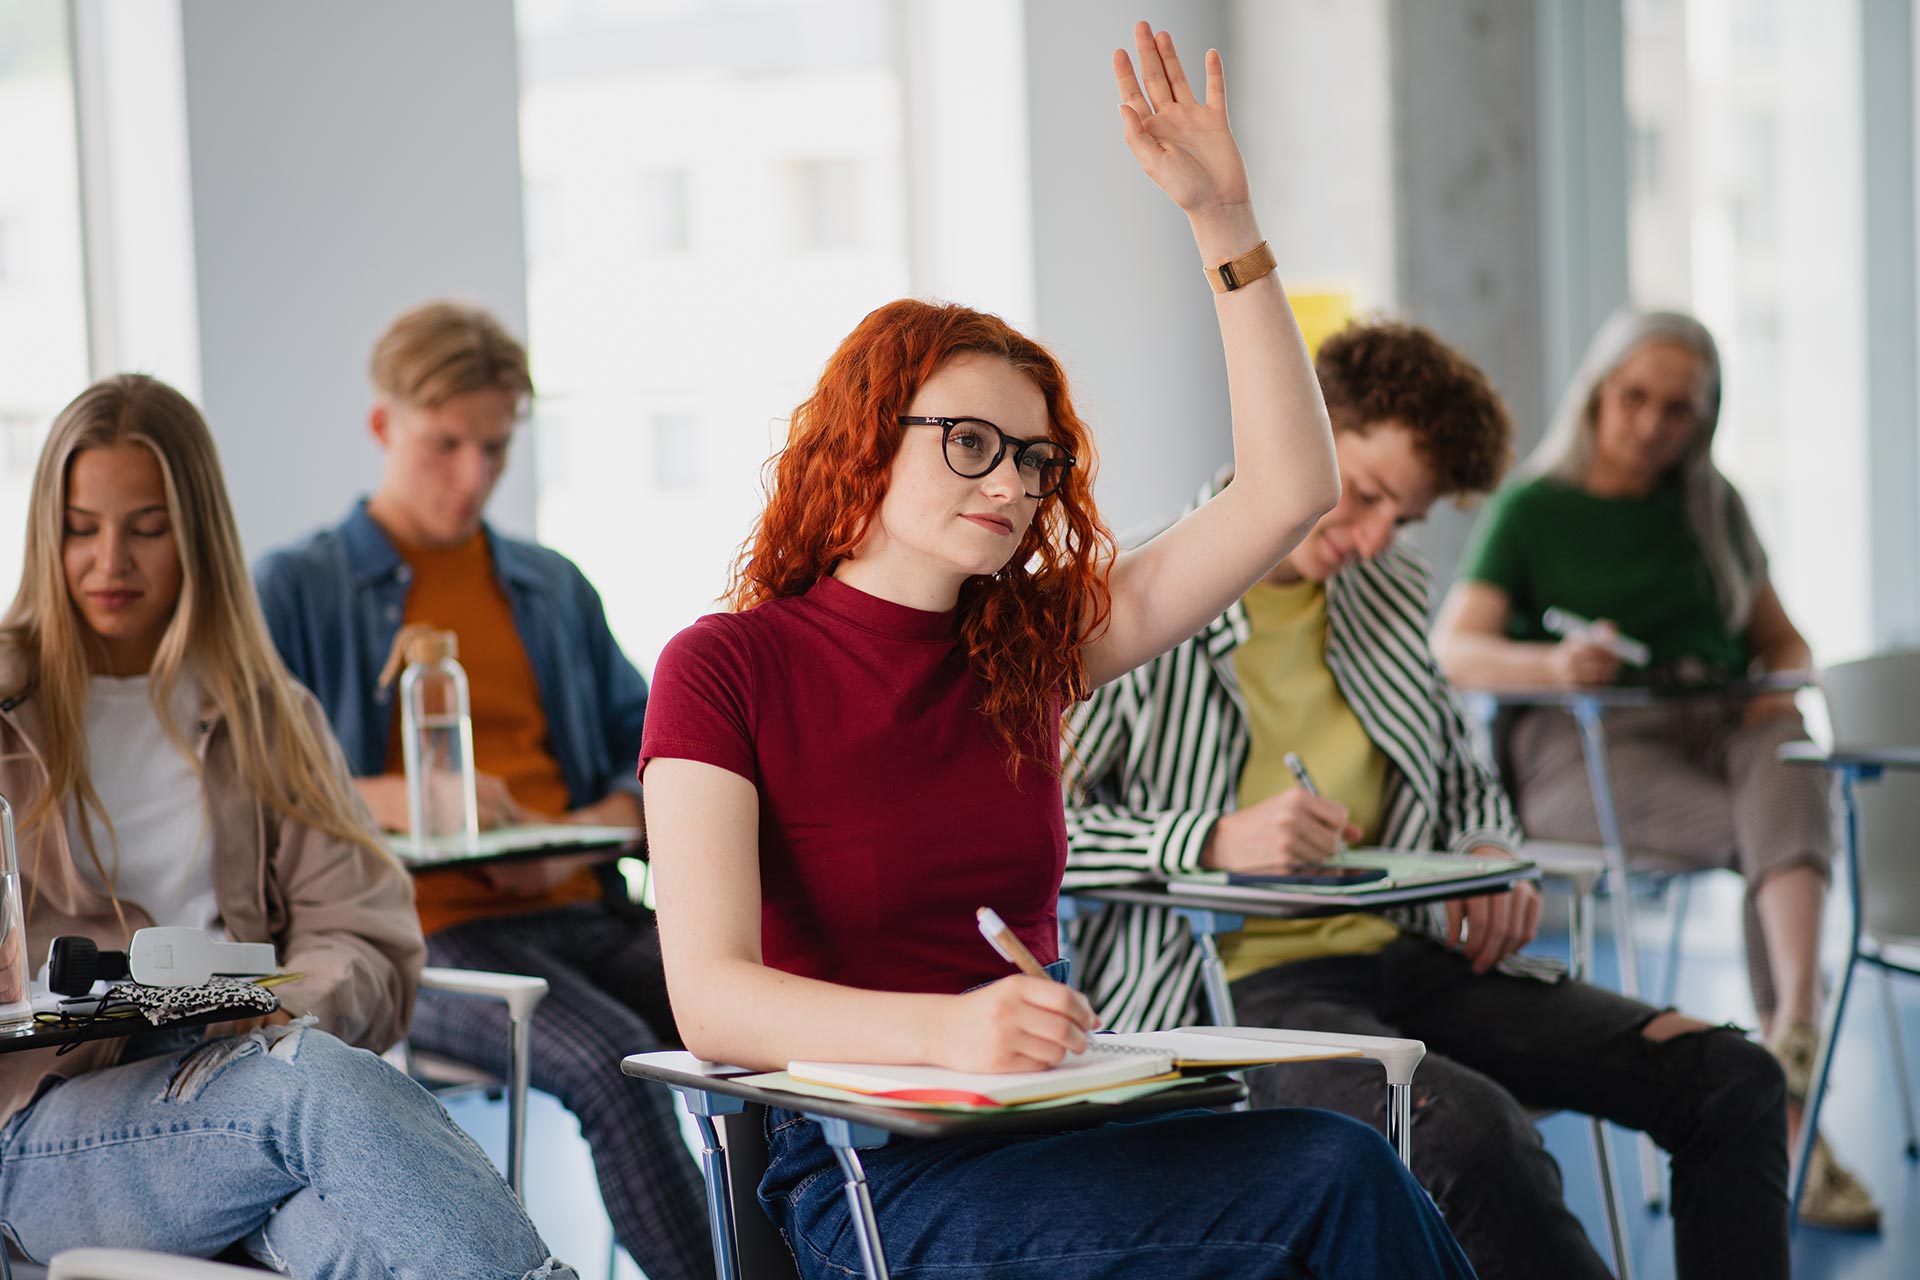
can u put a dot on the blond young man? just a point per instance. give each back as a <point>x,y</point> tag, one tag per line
<point>557,711</point>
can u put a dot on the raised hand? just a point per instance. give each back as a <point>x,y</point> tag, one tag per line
<point>1183,143</point>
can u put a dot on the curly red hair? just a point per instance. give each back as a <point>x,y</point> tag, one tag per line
<point>1022,626</point>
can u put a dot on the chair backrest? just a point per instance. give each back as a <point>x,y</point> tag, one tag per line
<point>1875,702</point>
<point>762,1253</point>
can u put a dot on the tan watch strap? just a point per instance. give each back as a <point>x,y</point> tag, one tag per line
<point>1243,270</point>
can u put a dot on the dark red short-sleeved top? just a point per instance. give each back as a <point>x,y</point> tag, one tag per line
<point>887,811</point>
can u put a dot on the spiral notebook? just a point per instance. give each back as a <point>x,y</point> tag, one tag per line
<point>1109,1060</point>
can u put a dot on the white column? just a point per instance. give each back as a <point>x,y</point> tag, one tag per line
<point>1887,57</point>
<point>1467,147</point>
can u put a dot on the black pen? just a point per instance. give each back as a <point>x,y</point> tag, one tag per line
<point>1298,768</point>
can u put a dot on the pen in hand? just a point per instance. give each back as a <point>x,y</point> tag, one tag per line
<point>1298,767</point>
<point>1567,624</point>
<point>1011,949</point>
<point>1015,953</point>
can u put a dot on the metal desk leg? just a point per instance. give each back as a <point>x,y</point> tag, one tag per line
<point>1580,953</point>
<point>1850,777</point>
<point>1679,895</point>
<point>1593,745</point>
<point>1214,971</point>
<point>1899,1061</point>
<point>703,1107</point>
<point>1206,926</point>
<point>1580,957</point>
<point>1604,1167</point>
<point>519,1057</point>
<point>1400,1121</point>
<point>844,1137</point>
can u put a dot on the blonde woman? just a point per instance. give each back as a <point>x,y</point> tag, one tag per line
<point>169,771</point>
<point>1621,516</point>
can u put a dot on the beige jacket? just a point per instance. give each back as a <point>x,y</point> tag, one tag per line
<point>335,912</point>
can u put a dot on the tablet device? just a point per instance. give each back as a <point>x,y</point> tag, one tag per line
<point>1316,875</point>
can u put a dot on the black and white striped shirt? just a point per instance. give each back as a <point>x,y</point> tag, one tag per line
<point>1154,758</point>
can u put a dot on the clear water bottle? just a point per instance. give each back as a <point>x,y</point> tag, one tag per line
<point>16,1001</point>
<point>436,735</point>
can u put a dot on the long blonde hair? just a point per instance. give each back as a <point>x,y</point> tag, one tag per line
<point>1717,516</point>
<point>284,762</point>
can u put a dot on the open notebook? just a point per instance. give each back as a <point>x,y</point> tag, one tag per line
<point>1404,870</point>
<point>1109,1060</point>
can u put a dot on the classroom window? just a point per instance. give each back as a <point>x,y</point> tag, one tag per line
<point>698,157</point>
<point>1755,224</point>
<point>43,317</point>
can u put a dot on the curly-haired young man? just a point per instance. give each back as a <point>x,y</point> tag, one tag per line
<point>1179,766</point>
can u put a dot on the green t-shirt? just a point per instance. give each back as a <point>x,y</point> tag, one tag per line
<point>1633,560</point>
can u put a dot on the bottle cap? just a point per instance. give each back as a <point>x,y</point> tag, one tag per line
<point>419,642</point>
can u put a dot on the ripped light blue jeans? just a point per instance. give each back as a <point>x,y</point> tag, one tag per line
<point>326,1162</point>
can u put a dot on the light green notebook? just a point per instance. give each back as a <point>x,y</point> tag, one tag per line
<point>1405,870</point>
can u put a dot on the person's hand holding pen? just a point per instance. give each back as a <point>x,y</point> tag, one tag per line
<point>1590,652</point>
<point>1027,1022</point>
<point>1298,827</point>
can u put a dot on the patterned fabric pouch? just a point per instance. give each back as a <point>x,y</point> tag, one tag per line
<point>161,1005</point>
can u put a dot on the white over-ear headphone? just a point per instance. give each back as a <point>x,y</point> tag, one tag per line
<point>161,956</point>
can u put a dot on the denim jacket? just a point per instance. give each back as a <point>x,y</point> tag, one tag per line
<point>334,603</point>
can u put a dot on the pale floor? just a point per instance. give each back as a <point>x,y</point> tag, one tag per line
<point>1862,1119</point>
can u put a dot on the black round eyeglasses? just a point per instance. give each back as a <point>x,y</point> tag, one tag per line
<point>974,447</point>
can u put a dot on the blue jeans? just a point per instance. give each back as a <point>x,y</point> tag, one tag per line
<point>325,1161</point>
<point>1271,1194</point>
<point>1292,1193</point>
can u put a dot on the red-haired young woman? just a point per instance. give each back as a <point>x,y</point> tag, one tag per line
<point>840,771</point>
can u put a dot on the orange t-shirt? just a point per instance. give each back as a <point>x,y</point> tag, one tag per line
<point>455,590</point>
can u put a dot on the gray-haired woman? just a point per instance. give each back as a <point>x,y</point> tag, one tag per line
<point>1621,516</point>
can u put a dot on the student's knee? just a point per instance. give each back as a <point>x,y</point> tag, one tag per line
<point>1470,1133</point>
<point>1339,1145</point>
<point>335,1075</point>
<point>1737,1086</point>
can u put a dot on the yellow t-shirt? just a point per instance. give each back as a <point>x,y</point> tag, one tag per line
<point>1294,704</point>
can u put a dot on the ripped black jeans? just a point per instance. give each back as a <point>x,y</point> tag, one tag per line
<point>1499,1045</point>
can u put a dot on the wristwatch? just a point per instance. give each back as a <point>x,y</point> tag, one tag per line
<point>1243,270</point>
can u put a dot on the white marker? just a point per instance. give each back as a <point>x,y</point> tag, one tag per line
<point>1569,625</point>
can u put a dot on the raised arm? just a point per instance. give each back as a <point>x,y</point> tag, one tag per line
<point>703,828</point>
<point>1284,473</point>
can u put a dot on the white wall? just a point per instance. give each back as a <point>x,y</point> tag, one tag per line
<point>348,160</point>
<point>1118,290</point>
<point>1466,143</point>
<point>1311,88</point>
